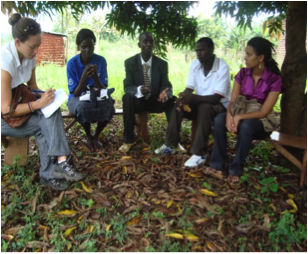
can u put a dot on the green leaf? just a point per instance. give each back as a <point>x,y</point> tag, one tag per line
<point>273,187</point>
<point>267,180</point>
<point>264,189</point>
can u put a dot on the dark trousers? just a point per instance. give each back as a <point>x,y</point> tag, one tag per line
<point>132,105</point>
<point>205,114</point>
<point>248,130</point>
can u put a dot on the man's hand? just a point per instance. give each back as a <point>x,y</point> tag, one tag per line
<point>184,98</point>
<point>163,97</point>
<point>145,90</point>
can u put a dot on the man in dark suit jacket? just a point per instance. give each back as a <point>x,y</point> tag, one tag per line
<point>146,86</point>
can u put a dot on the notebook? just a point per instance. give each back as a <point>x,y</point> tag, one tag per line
<point>60,97</point>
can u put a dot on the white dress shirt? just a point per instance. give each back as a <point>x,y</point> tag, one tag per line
<point>149,63</point>
<point>20,72</point>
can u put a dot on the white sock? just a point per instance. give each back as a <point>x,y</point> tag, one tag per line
<point>61,161</point>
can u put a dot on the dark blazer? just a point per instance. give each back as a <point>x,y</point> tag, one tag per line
<point>134,76</point>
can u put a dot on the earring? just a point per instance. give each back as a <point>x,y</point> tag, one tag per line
<point>259,65</point>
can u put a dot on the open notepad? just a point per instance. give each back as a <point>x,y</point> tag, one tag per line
<point>60,97</point>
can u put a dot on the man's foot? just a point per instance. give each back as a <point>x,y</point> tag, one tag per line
<point>56,184</point>
<point>168,150</point>
<point>90,144</point>
<point>67,170</point>
<point>210,171</point>
<point>98,147</point>
<point>195,161</point>
<point>181,149</point>
<point>233,179</point>
<point>126,147</point>
<point>214,172</point>
<point>164,150</point>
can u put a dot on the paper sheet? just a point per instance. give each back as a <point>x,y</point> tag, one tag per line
<point>60,97</point>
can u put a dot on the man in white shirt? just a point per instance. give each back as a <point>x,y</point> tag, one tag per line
<point>209,77</point>
<point>146,86</point>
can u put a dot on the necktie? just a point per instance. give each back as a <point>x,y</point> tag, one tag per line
<point>147,82</point>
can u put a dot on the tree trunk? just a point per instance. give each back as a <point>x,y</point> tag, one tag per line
<point>62,23</point>
<point>97,42</point>
<point>77,23</point>
<point>294,75</point>
<point>294,72</point>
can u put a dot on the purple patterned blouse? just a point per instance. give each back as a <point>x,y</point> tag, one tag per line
<point>269,82</point>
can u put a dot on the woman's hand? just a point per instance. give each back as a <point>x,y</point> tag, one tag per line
<point>47,98</point>
<point>230,123</point>
<point>89,71</point>
<point>236,120</point>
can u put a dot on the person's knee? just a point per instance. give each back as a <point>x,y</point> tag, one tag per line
<point>220,120</point>
<point>246,127</point>
<point>127,97</point>
<point>205,107</point>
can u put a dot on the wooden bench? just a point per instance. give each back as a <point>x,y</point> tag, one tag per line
<point>15,146</point>
<point>278,140</point>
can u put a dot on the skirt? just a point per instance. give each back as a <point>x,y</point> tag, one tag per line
<point>88,112</point>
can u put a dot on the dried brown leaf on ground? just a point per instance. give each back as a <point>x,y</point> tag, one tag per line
<point>145,202</point>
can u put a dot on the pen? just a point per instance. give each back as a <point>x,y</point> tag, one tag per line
<point>37,91</point>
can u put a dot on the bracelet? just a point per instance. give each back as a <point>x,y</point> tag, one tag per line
<point>30,106</point>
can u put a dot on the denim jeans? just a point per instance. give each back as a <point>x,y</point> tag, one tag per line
<point>248,130</point>
<point>49,134</point>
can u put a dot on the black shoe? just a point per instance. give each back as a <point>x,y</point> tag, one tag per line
<point>56,184</point>
<point>67,170</point>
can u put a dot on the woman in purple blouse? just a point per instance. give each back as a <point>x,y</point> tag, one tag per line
<point>261,80</point>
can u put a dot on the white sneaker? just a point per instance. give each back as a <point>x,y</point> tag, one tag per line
<point>195,161</point>
<point>163,150</point>
<point>167,150</point>
<point>181,149</point>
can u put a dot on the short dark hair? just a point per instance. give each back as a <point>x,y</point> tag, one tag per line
<point>144,33</point>
<point>22,28</point>
<point>207,41</point>
<point>83,34</point>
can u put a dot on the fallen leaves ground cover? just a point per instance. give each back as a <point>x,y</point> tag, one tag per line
<point>143,202</point>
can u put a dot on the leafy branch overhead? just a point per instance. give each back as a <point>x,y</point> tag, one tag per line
<point>166,20</point>
<point>243,11</point>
